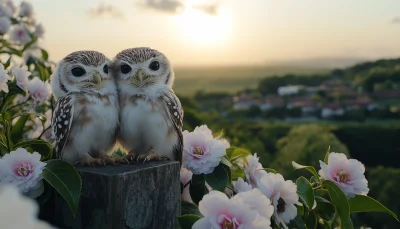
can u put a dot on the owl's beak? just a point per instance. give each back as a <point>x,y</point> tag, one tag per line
<point>97,77</point>
<point>139,75</point>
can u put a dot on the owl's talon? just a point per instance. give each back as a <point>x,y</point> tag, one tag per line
<point>89,161</point>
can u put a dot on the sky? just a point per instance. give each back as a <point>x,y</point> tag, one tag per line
<point>224,32</point>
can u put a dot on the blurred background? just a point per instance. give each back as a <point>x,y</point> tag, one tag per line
<point>285,79</point>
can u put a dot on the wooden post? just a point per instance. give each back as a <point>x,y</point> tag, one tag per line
<point>139,196</point>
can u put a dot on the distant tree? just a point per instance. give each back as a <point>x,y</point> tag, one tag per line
<point>305,144</point>
<point>295,112</point>
<point>254,111</point>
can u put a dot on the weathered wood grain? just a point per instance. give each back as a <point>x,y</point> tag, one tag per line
<point>140,196</point>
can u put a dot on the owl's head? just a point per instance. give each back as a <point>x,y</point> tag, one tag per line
<point>143,69</point>
<point>82,71</point>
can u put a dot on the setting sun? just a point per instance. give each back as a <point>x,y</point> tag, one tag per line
<point>202,28</point>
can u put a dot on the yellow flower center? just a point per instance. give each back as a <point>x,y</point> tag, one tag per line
<point>227,225</point>
<point>21,170</point>
<point>198,151</point>
<point>342,176</point>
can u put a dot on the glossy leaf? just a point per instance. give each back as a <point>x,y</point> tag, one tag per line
<point>64,178</point>
<point>187,221</point>
<point>235,153</point>
<point>311,220</point>
<point>327,155</point>
<point>324,209</point>
<point>17,130</point>
<point>309,168</point>
<point>297,223</point>
<point>362,203</point>
<point>219,178</point>
<point>338,199</point>
<point>305,192</point>
<point>197,188</point>
<point>190,208</point>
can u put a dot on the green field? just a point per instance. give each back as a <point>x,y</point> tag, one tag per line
<point>229,79</point>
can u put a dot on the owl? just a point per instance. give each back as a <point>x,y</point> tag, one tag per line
<point>85,118</point>
<point>151,114</point>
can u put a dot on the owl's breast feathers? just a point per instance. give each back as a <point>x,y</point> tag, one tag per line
<point>63,115</point>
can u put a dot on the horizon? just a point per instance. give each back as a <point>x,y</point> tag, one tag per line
<point>224,33</point>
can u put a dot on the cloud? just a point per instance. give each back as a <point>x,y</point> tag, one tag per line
<point>167,6</point>
<point>211,9</point>
<point>177,6</point>
<point>396,20</point>
<point>104,10</point>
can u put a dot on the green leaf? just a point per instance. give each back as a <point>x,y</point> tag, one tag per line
<point>305,192</point>
<point>269,170</point>
<point>362,203</point>
<point>29,44</point>
<point>44,74</point>
<point>45,55</point>
<point>17,130</point>
<point>45,149</point>
<point>338,199</point>
<point>311,220</point>
<point>187,221</point>
<point>309,168</point>
<point>347,225</point>
<point>226,162</point>
<point>235,153</point>
<point>190,208</point>
<point>296,223</point>
<point>197,188</point>
<point>7,64</point>
<point>327,155</point>
<point>64,178</point>
<point>325,209</point>
<point>218,179</point>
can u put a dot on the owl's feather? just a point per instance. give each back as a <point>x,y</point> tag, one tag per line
<point>62,120</point>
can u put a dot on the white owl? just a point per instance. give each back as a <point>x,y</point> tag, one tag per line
<point>151,115</point>
<point>85,119</point>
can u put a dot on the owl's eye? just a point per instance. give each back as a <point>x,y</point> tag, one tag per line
<point>125,68</point>
<point>155,65</point>
<point>105,69</point>
<point>78,71</point>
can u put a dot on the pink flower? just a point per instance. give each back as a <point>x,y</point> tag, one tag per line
<point>23,170</point>
<point>4,78</point>
<point>201,152</point>
<point>5,25</point>
<point>26,10</point>
<point>39,30</point>
<point>221,212</point>
<point>6,9</point>
<point>39,90</point>
<point>348,174</point>
<point>18,211</point>
<point>19,34</point>
<point>253,170</point>
<point>241,186</point>
<point>257,201</point>
<point>185,177</point>
<point>21,74</point>
<point>283,195</point>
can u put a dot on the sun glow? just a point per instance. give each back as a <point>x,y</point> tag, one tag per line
<point>202,28</point>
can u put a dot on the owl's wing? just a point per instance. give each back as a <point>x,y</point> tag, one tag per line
<point>61,122</point>
<point>175,112</point>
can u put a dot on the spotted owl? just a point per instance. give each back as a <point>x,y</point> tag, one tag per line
<point>85,118</point>
<point>151,115</point>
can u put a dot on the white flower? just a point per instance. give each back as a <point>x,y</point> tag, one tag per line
<point>283,195</point>
<point>253,170</point>
<point>19,34</point>
<point>17,211</point>
<point>39,90</point>
<point>23,170</point>
<point>185,177</point>
<point>21,74</point>
<point>5,9</point>
<point>221,212</point>
<point>11,6</point>
<point>348,174</point>
<point>5,25</point>
<point>257,201</point>
<point>241,186</point>
<point>25,10</point>
<point>4,78</point>
<point>201,152</point>
<point>39,30</point>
